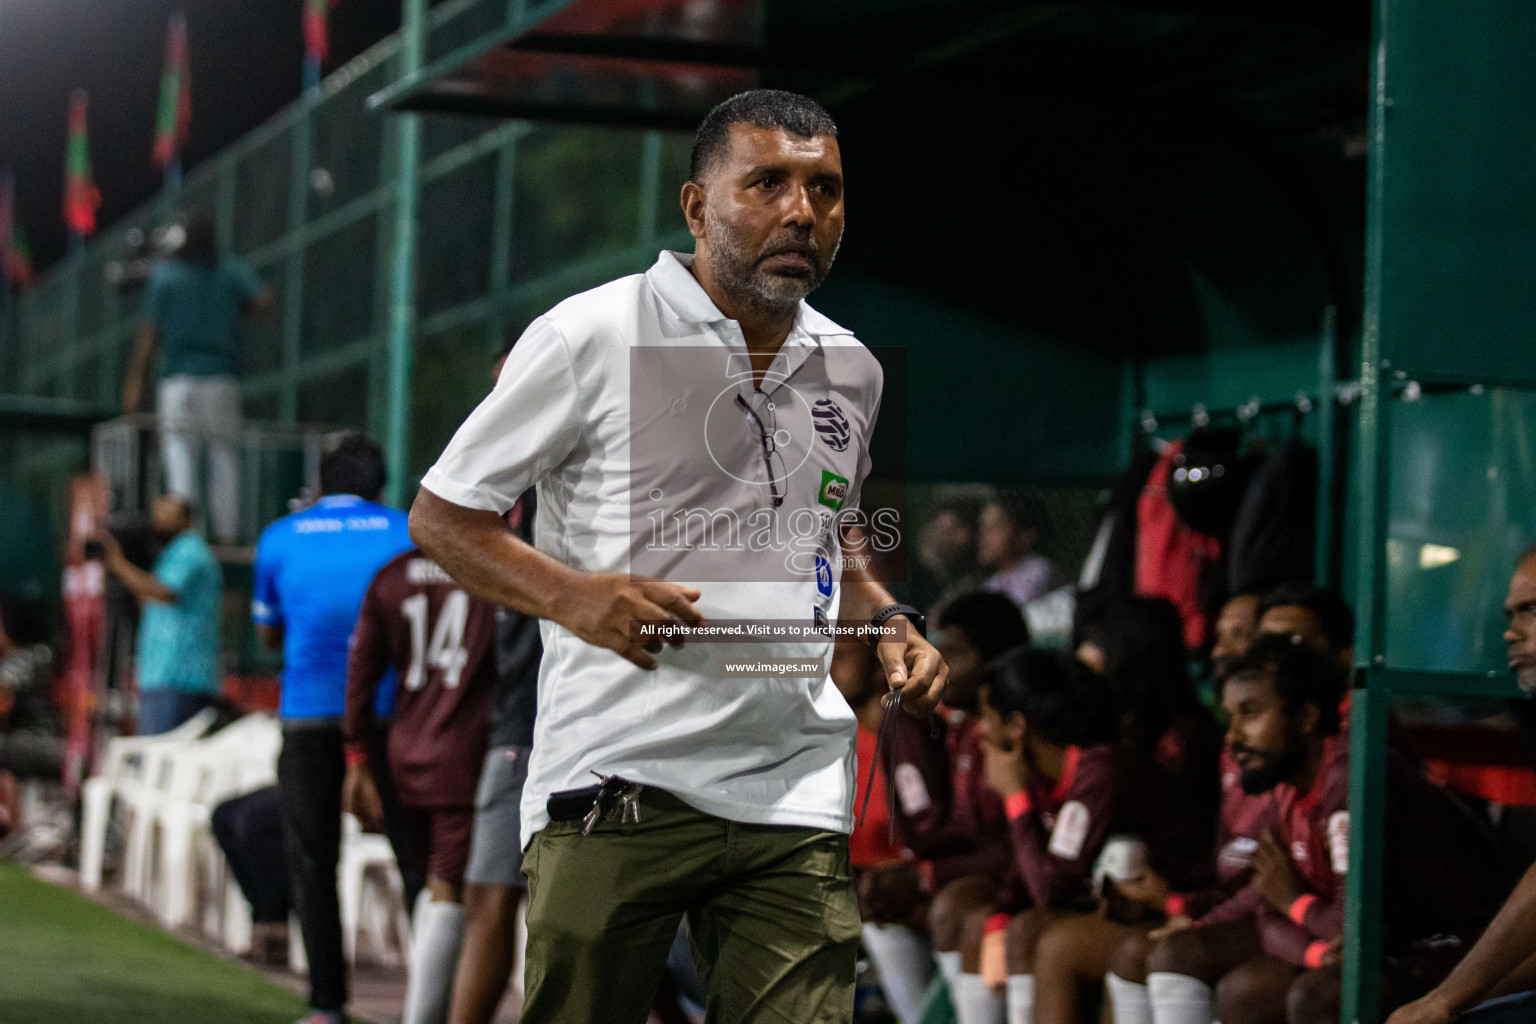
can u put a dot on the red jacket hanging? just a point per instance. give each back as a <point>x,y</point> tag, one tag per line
<point>1169,555</point>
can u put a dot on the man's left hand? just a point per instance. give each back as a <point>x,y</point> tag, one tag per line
<point>914,667</point>
<point>1276,875</point>
<point>360,798</point>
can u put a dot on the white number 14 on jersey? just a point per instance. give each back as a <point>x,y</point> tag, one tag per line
<point>446,651</point>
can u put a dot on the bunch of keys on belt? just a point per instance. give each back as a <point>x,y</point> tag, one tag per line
<point>615,796</point>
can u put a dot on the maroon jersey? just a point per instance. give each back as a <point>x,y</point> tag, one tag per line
<point>945,811</point>
<point>1057,827</point>
<point>1242,823</point>
<point>441,643</point>
<point>1444,873</point>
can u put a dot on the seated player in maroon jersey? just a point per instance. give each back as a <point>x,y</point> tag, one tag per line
<point>1047,729</point>
<point>1242,822</point>
<point>1444,875</point>
<point>1171,746</point>
<point>945,812</point>
<point>1167,745</point>
<point>439,640</point>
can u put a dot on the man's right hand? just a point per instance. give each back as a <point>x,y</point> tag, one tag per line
<point>1428,1010</point>
<point>599,607</point>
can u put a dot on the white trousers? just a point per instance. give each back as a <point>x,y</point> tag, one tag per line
<point>195,410</point>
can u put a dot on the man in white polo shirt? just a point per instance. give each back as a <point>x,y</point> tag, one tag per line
<point>699,437</point>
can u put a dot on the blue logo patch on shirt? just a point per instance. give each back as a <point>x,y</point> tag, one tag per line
<point>823,577</point>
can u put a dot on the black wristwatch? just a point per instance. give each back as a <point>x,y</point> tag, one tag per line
<point>890,611</point>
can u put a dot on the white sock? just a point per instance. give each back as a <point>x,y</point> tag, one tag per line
<point>438,934</point>
<point>1021,999</point>
<point>1128,1001</point>
<point>1179,999</point>
<point>905,963</point>
<point>949,966</point>
<point>975,1002</point>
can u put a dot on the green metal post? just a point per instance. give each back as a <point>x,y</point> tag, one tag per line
<point>300,157</point>
<point>1368,734</point>
<point>502,239</point>
<point>650,186</point>
<point>402,281</point>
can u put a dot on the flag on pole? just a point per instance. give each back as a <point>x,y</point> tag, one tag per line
<point>81,196</point>
<point>175,116</point>
<point>317,35</point>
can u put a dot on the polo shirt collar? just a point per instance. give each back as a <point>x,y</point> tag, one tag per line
<point>671,279</point>
<point>338,500</point>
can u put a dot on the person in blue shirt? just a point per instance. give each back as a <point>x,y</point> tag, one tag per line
<point>193,304</point>
<point>312,569</point>
<point>177,655</point>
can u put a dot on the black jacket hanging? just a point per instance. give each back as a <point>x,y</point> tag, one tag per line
<point>1274,533</point>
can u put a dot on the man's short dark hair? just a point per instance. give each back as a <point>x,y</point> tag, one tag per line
<point>990,621</point>
<point>761,108</point>
<point>1063,700</point>
<point>354,466</point>
<point>1326,604</point>
<point>1301,676</point>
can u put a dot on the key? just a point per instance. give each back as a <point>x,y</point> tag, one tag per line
<point>629,804</point>
<point>890,703</point>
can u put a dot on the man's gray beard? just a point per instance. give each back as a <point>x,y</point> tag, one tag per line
<point>743,280</point>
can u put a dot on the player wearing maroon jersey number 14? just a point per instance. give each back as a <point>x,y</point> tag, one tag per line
<point>441,643</point>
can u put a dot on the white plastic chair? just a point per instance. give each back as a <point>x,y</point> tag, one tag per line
<point>203,774</point>
<point>226,916</point>
<point>364,858</point>
<point>125,763</point>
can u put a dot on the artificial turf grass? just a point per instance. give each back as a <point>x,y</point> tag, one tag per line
<point>66,960</point>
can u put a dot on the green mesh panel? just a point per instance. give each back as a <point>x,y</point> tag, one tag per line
<point>457,221</point>
<point>348,144</point>
<point>337,398</point>
<point>453,372</point>
<point>261,185</point>
<point>461,22</point>
<point>339,278</point>
<point>560,172</point>
<point>261,341</point>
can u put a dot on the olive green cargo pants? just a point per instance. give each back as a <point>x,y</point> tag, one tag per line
<point>772,910</point>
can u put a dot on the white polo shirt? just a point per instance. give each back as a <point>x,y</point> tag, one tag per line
<point>760,749</point>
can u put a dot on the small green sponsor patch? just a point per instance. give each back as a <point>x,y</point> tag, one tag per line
<point>834,490</point>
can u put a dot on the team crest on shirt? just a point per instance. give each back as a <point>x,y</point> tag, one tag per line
<point>1070,830</point>
<point>911,791</point>
<point>823,577</point>
<point>1338,841</point>
<point>831,424</point>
